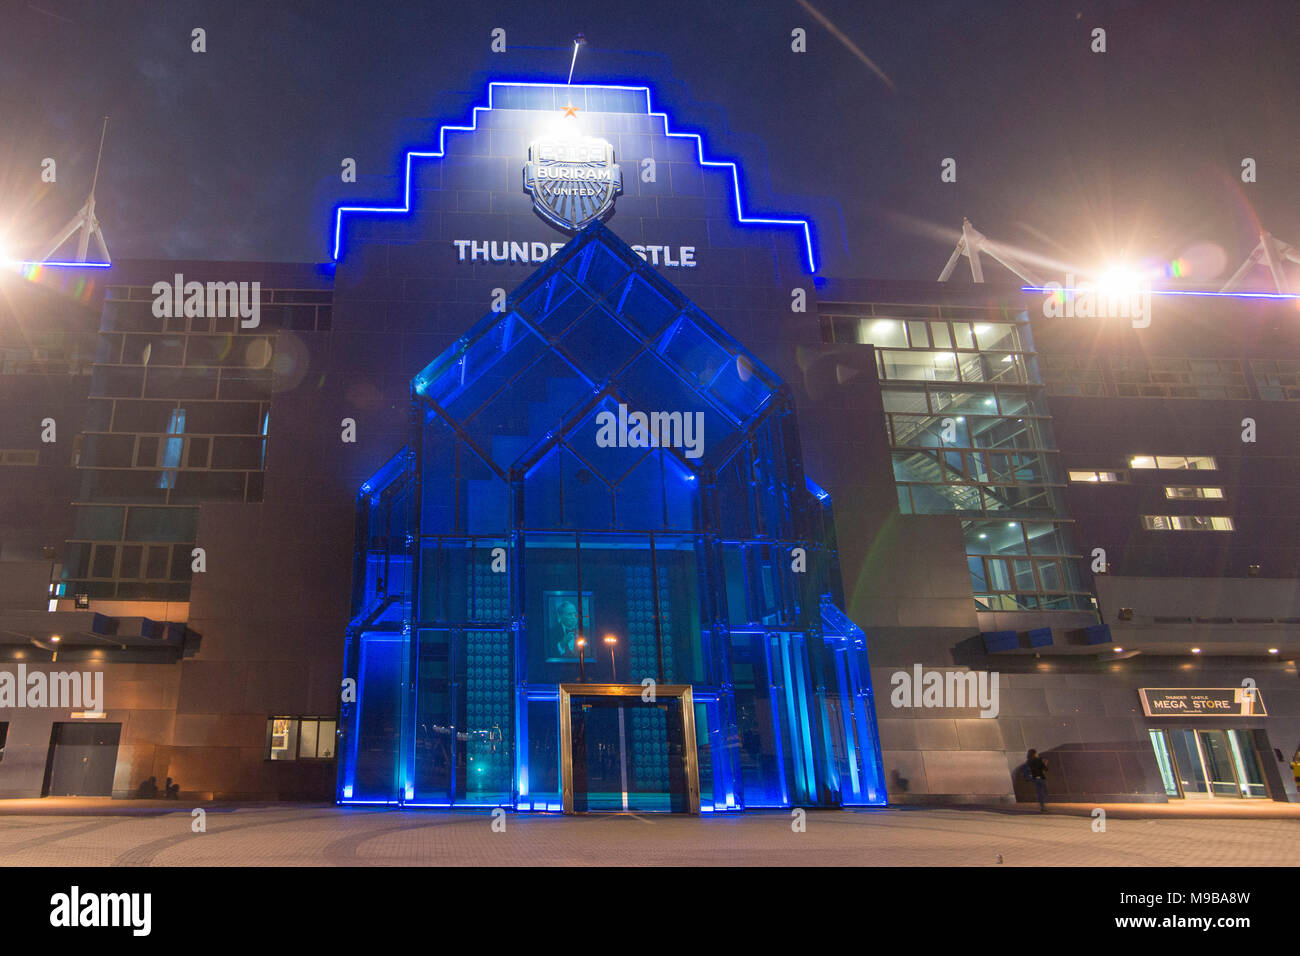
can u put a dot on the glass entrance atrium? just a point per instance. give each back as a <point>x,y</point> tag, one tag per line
<point>601,487</point>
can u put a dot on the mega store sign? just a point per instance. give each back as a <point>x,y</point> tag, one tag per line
<point>1202,702</point>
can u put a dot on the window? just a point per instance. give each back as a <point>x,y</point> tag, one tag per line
<point>1096,476</point>
<point>1194,463</point>
<point>172,449</point>
<point>917,366</point>
<point>1153,377</point>
<point>146,451</point>
<point>1186,523</point>
<point>198,451</point>
<point>997,335</point>
<point>1277,380</point>
<point>1023,565</point>
<point>1074,375</point>
<point>4,735</point>
<point>1192,491</point>
<point>161,524</point>
<point>1174,462</point>
<point>300,738</point>
<point>883,333</point>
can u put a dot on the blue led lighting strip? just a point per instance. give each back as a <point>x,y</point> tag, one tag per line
<point>27,263</point>
<point>1216,295</point>
<point>699,148</point>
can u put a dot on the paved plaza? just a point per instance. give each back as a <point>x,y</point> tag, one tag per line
<point>140,833</point>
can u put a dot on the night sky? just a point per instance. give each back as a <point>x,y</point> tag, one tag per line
<point>1085,157</point>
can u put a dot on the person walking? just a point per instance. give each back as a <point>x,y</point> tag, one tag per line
<point>1036,770</point>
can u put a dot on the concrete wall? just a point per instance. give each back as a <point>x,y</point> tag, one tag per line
<point>48,336</point>
<point>141,697</point>
<point>271,610</point>
<point>1260,479</point>
<point>1083,716</point>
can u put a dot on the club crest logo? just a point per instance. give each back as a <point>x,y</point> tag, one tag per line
<point>573,182</point>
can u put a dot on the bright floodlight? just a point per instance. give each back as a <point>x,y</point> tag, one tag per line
<point>1119,280</point>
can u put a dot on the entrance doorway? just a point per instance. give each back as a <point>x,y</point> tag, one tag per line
<point>621,753</point>
<point>1200,764</point>
<point>83,757</point>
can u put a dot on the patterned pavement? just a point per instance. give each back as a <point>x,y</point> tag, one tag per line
<point>161,834</point>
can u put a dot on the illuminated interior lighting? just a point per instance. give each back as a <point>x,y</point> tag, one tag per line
<point>1196,650</point>
<point>802,224</point>
<point>1272,650</point>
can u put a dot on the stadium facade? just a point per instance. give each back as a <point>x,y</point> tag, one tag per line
<point>571,483</point>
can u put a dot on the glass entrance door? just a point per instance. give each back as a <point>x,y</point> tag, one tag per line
<point>1188,766</point>
<point>1219,762</point>
<point>1250,776</point>
<point>622,753</point>
<point>1208,763</point>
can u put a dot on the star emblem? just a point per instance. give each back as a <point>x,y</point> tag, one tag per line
<point>571,110</point>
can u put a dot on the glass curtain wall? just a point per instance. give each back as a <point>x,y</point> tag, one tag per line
<point>530,536</point>
<point>970,434</point>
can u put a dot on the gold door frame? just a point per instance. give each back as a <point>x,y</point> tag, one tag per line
<point>681,691</point>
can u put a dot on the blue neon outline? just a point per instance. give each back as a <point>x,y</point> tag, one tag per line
<point>1217,295</point>
<point>473,127</point>
<point>68,265</point>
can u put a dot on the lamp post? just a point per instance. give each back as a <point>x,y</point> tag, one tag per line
<point>610,641</point>
<point>580,644</point>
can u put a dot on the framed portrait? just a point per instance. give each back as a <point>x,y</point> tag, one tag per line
<point>563,625</point>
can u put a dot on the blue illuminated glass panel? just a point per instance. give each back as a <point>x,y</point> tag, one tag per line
<point>511,548</point>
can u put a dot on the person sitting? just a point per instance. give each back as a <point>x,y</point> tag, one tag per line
<point>148,790</point>
<point>173,789</point>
